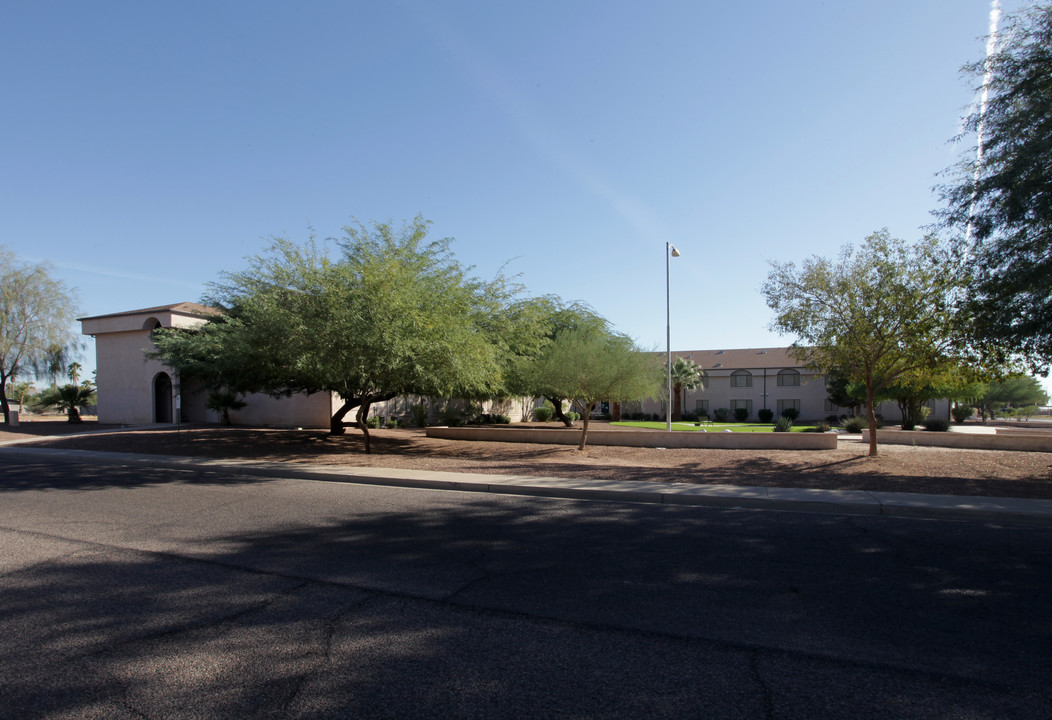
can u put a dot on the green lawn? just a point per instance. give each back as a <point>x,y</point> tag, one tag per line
<point>711,427</point>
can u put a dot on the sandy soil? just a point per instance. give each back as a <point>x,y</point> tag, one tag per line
<point>898,468</point>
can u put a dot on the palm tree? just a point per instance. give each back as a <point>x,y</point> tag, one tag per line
<point>68,399</point>
<point>53,363</point>
<point>686,375</point>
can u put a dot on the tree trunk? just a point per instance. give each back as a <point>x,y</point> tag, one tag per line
<point>559,414</point>
<point>871,415</point>
<point>363,416</point>
<point>3,397</point>
<point>336,424</point>
<point>677,402</point>
<point>584,425</point>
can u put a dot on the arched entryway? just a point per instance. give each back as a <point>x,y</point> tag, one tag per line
<point>162,398</point>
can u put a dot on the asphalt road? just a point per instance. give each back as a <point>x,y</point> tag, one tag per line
<point>134,593</point>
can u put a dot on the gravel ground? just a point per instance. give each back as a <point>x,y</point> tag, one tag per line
<point>898,468</point>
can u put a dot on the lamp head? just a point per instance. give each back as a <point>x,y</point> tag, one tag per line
<point>675,251</point>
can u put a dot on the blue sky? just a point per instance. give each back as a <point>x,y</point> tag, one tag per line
<point>149,146</point>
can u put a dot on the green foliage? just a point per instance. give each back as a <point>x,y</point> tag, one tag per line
<point>990,398</point>
<point>373,422</point>
<point>1001,204</point>
<point>765,415</point>
<point>935,424</point>
<point>493,419</point>
<point>36,314</point>
<point>876,314</point>
<point>783,424</point>
<point>819,428</point>
<point>419,413</point>
<point>590,363</point>
<point>543,413</point>
<point>223,401</point>
<point>391,313</point>
<point>741,414</point>
<point>721,414</point>
<point>854,424</point>
<point>961,413</point>
<point>1026,412</point>
<point>392,423</point>
<point>68,399</point>
<point>791,413</point>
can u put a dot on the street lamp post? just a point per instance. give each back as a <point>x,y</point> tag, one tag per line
<point>670,252</point>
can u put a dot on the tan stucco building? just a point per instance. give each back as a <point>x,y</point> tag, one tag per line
<point>134,389</point>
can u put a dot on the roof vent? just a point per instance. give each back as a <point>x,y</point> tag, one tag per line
<point>718,365</point>
<point>763,352</point>
<point>719,352</point>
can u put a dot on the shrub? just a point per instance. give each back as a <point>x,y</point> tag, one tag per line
<point>833,419</point>
<point>573,416</point>
<point>855,424</point>
<point>451,417</point>
<point>373,422</point>
<point>784,424</point>
<point>721,414</point>
<point>791,413</point>
<point>419,413</point>
<point>765,415</point>
<point>494,419</point>
<point>741,414</point>
<point>935,424</point>
<point>819,428</point>
<point>543,413</point>
<point>392,423</point>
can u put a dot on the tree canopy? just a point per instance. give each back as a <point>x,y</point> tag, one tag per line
<point>878,314</point>
<point>589,362</point>
<point>36,315</point>
<point>1000,199</point>
<point>392,313</point>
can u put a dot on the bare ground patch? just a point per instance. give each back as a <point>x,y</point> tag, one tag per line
<point>899,468</point>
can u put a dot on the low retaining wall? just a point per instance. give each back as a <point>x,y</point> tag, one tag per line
<point>643,438</point>
<point>1024,441</point>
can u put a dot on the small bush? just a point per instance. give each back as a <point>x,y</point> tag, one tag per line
<point>451,417</point>
<point>373,422</point>
<point>833,419</point>
<point>573,416</point>
<point>784,424</point>
<point>494,419</point>
<point>741,414</point>
<point>819,428</point>
<point>543,413</point>
<point>791,413</point>
<point>721,414</point>
<point>935,424</point>
<point>765,415</point>
<point>419,413</point>
<point>392,423</point>
<point>855,424</point>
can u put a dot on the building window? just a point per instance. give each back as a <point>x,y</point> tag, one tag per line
<point>746,404</point>
<point>830,407</point>
<point>741,378</point>
<point>704,382</point>
<point>702,406</point>
<point>784,405</point>
<point>788,378</point>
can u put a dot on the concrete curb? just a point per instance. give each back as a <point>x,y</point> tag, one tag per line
<point>845,502</point>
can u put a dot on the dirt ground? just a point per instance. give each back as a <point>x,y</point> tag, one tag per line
<point>898,468</point>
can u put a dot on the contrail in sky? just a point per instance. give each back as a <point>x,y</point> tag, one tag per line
<point>991,49</point>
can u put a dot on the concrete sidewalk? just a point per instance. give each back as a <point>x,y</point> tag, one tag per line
<point>850,502</point>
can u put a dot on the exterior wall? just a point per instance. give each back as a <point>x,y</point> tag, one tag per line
<point>809,396</point>
<point>125,377</point>
<point>297,410</point>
